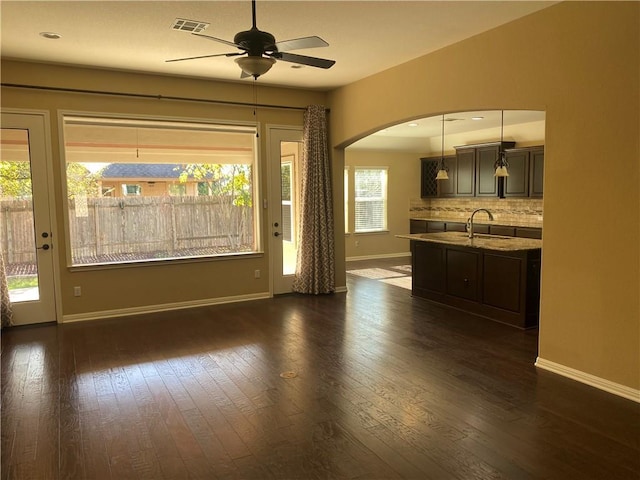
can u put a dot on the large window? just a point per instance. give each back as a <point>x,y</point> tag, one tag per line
<point>141,190</point>
<point>370,199</point>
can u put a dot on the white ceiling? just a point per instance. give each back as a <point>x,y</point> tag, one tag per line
<point>425,135</point>
<point>364,37</point>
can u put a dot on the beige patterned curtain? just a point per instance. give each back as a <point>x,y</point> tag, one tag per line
<point>5,303</point>
<point>315,265</point>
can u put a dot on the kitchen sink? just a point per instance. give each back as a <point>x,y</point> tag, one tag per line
<point>487,236</point>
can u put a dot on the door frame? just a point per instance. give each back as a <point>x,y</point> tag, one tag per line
<point>272,132</point>
<point>44,117</point>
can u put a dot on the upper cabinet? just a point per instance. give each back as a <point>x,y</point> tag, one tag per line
<point>429,186</point>
<point>536,172</point>
<point>466,172</point>
<point>526,172</point>
<point>476,168</point>
<point>472,172</point>
<point>428,182</point>
<point>447,188</point>
<point>486,157</point>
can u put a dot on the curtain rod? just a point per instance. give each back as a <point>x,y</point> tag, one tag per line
<point>152,97</point>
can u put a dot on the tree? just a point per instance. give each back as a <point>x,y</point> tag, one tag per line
<point>232,181</point>
<point>230,184</point>
<point>80,181</point>
<point>15,179</point>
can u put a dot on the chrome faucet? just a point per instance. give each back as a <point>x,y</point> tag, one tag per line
<point>470,220</point>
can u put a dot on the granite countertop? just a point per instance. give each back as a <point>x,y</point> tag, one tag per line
<point>487,242</point>
<point>484,221</point>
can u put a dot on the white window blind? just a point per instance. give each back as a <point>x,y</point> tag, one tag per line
<point>370,199</point>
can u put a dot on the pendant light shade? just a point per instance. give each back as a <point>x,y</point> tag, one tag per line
<point>443,171</point>
<point>442,174</point>
<point>501,164</point>
<point>501,171</point>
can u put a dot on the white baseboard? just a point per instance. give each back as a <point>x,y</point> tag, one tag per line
<point>587,378</point>
<point>374,257</point>
<point>342,289</point>
<point>123,312</point>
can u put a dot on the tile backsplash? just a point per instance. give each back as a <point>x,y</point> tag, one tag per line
<point>517,211</point>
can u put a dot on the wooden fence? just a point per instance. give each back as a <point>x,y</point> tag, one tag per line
<point>106,229</point>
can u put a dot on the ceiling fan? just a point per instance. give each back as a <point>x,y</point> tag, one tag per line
<point>262,50</point>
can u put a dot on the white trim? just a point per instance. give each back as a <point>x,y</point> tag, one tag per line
<point>45,117</point>
<point>123,312</point>
<point>277,133</point>
<point>341,289</point>
<point>375,257</point>
<point>588,379</point>
<point>241,124</point>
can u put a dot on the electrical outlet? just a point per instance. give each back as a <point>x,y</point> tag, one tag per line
<point>256,274</point>
<point>357,243</point>
<point>77,291</point>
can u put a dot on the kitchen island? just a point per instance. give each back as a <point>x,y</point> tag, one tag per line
<point>492,276</point>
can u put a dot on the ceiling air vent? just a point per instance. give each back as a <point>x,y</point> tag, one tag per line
<point>191,26</point>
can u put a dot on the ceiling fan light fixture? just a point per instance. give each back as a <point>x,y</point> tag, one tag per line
<point>255,66</point>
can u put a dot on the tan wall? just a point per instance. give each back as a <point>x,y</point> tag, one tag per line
<point>121,288</point>
<point>578,61</point>
<point>403,183</point>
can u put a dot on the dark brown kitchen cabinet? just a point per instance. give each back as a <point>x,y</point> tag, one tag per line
<point>526,172</point>
<point>499,285</point>
<point>502,230</point>
<point>456,227</point>
<point>433,227</point>
<point>501,279</point>
<point>428,281</point>
<point>527,232</point>
<point>417,226</point>
<point>517,183</point>
<point>465,172</point>
<point>462,269</point>
<point>536,172</point>
<point>428,182</point>
<point>429,186</point>
<point>447,188</point>
<point>486,182</point>
<point>475,169</point>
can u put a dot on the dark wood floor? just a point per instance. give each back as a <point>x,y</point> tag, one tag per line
<point>387,386</point>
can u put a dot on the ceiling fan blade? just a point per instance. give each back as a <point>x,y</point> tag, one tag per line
<point>215,39</point>
<point>206,56</point>
<point>304,60</point>
<point>300,43</point>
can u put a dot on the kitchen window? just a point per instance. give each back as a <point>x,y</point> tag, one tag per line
<point>370,199</point>
<point>146,190</point>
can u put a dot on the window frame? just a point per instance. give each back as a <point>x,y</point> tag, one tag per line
<point>385,200</point>
<point>236,126</point>
<point>347,203</point>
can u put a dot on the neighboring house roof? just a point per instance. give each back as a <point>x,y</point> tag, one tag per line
<point>142,170</point>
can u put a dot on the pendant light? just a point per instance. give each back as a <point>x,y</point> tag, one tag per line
<point>443,170</point>
<point>501,162</point>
